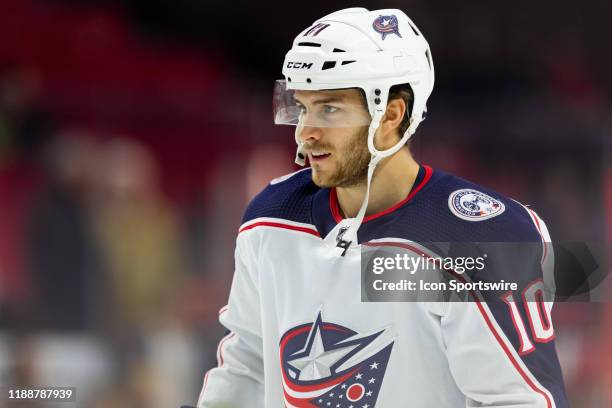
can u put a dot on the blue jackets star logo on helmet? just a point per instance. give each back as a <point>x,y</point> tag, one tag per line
<point>386,25</point>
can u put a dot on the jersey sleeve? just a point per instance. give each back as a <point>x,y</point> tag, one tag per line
<point>237,381</point>
<point>500,347</point>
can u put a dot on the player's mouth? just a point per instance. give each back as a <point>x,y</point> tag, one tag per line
<point>318,157</point>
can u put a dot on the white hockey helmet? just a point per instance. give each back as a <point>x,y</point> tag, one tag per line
<point>357,48</point>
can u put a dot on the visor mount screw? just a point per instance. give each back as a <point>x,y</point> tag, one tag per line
<point>308,80</point>
<point>289,79</point>
<point>301,156</point>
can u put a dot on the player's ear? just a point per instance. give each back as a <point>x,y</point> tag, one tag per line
<point>390,122</point>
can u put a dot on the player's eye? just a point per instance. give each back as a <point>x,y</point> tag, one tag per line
<point>330,109</point>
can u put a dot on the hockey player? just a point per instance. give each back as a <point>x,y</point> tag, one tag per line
<point>356,85</point>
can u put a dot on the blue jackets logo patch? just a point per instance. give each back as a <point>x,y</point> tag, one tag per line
<point>386,25</point>
<point>328,365</point>
<point>472,205</point>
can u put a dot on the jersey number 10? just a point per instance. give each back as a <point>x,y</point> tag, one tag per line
<point>538,315</point>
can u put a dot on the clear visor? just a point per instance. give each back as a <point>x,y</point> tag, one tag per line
<point>324,108</point>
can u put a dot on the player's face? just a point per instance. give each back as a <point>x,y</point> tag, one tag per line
<point>338,156</point>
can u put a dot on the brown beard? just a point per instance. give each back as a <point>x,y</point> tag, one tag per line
<point>351,162</point>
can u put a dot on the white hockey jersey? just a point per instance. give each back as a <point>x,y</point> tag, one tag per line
<point>300,336</point>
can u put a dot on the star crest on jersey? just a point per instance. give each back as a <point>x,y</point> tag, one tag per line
<point>325,364</point>
<point>473,205</point>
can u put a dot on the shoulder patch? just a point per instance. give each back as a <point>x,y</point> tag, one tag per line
<point>286,176</point>
<point>473,205</point>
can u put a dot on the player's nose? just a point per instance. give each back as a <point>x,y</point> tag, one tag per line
<point>310,133</point>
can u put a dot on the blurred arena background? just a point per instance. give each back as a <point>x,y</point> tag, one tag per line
<point>133,133</point>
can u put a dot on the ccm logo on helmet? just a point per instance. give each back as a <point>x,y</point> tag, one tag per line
<point>302,65</point>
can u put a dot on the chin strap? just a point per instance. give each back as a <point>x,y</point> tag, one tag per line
<point>300,155</point>
<point>349,237</point>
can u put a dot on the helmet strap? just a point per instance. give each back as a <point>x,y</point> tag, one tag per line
<point>350,237</point>
<point>300,155</point>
